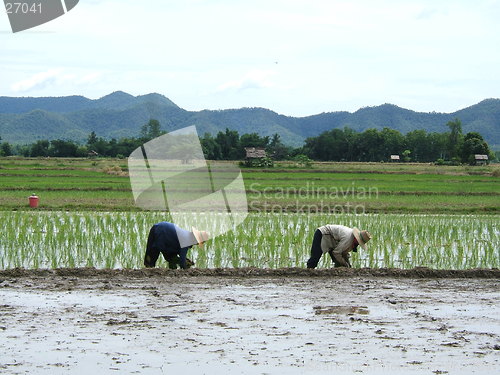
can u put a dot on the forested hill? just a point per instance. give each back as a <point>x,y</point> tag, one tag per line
<point>117,115</point>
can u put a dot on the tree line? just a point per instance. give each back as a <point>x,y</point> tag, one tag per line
<point>371,145</point>
<point>418,145</point>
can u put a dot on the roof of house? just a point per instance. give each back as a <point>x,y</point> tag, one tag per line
<point>255,152</point>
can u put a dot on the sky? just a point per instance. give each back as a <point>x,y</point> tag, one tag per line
<point>295,57</point>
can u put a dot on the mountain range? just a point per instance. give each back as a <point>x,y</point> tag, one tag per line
<point>117,115</point>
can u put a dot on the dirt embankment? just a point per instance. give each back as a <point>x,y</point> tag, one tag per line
<point>419,272</point>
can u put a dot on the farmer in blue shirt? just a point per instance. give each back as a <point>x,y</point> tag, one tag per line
<point>173,242</point>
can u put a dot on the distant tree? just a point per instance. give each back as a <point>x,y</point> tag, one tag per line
<point>5,149</point>
<point>276,149</point>
<point>393,141</point>
<point>23,150</point>
<point>318,148</point>
<point>406,155</point>
<point>62,148</point>
<point>455,137</point>
<point>210,147</point>
<point>275,140</point>
<point>253,140</point>
<point>473,143</point>
<point>185,147</point>
<point>417,143</point>
<point>151,130</point>
<point>436,146</point>
<point>101,146</point>
<point>40,148</point>
<point>111,148</point>
<point>82,151</point>
<point>92,139</point>
<point>293,152</point>
<point>125,146</point>
<point>349,145</point>
<point>371,145</point>
<point>339,145</point>
<point>329,145</point>
<point>229,143</point>
<point>350,136</point>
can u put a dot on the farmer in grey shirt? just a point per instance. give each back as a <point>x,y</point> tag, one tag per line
<point>338,241</point>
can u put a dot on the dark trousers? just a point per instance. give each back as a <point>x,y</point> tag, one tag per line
<point>152,253</point>
<point>317,252</point>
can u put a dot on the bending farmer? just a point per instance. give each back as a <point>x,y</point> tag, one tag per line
<point>338,241</point>
<point>173,242</point>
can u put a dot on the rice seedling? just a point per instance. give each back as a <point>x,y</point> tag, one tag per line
<point>117,240</point>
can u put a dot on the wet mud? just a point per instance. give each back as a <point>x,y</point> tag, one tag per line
<point>418,272</point>
<point>249,321</point>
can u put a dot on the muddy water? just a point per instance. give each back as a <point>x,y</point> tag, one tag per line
<point>160,323</point>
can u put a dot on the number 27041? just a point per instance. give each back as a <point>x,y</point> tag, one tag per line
<point>25,8</point>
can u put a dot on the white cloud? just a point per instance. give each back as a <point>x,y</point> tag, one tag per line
<point>55,77</point>
<point>253,79</point>
<point>36,81</point>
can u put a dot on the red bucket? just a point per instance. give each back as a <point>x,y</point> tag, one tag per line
<point>34,201</point>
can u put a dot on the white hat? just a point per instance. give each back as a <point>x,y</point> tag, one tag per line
<point>200,235</point>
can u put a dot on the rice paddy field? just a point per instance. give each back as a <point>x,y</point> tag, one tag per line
<point>117,240</point>
<point>423,299</point>
<point>103,185</point>
<point>419,216</point>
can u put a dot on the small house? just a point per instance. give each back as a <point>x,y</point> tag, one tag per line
<point>395,158</point>
<point>255,152</point>
<point>481,159</point>
<point>92,154</point>
<point>254,156</point>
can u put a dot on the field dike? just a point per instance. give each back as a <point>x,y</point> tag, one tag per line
<point>415,273</point>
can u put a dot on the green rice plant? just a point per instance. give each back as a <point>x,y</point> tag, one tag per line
<point>117,240</point>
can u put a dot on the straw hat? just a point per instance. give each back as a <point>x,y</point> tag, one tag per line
<point>200,235</point>
<point>362,236</point>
